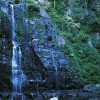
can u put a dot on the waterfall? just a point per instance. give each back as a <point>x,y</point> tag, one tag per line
<point>17,74</point>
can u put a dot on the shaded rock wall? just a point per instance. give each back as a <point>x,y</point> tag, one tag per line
<point>5,48</point>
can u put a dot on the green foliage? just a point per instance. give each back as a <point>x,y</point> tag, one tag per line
<point>3,15</point>
<point>76,28</point>
<point>28,1</point>
<point>85,58</point>
<point>96,43</point>
<point>33,10</point>
<point>17,1</point>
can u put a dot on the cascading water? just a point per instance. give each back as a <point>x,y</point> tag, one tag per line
<point>97,36</point>
<point>25,23</point>
<point>22,1</point>
<point>4,48</point>
<point>17,74</point>
<point>44,13</point>
<point>56,70</point>
<point>90,43</point>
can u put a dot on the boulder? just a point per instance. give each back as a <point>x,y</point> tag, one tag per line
<point>60,40</point>
<point>35,41</point>
<point>54,98</point>
<point>98,86</point>
<point>89,88</point>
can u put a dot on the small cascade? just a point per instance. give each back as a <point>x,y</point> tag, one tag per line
<point>97,36</point>
<point>4,48</point>
<point>90,43</point>
<point>56,70</point>
<point>44,13</point>
<point>25,23</point>
<point>22,1</point>
<point>17,74</point>
<point>4,59</point>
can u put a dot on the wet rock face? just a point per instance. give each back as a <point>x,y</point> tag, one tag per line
<point>6,27</point>
<point>19,11</point>
<point>4,6</point>
<point>56,64</point>
<point>47,76</point>
<point>51,57</point>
